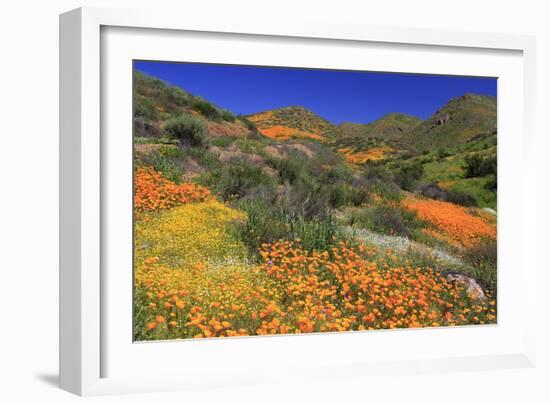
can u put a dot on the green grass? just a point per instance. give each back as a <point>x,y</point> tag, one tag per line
<point>170,160</point>
<point>237,179</point>
<point>449,168</point>
<point>269,223</point>
<point>476,188</point>
<point>155,140</point>
<point>452,169</point>
<point>222,141</point>
<point>386,220</point>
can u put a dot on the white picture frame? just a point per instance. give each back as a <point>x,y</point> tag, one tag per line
<point>88,185</point>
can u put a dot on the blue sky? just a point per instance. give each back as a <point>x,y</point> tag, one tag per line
<point>338,96</point>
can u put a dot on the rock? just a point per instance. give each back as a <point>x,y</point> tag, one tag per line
<point>472,287</point>
<point>489,210</point>
<point>442,120</point>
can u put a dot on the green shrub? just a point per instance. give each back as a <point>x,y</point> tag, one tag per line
<point>408,175</point>
<point>315,234</point>
<point>337,172</point>
<point>227,115</point>
<point>292,168</point>
<point>344,194</point>
<point>235,179</point>
<point>145,108</point>
<point>206,159</point>
<point>432,190</point>
<point>171,161</point>
<point>388,220</point>
<point>307,197</point>
<point>171,98</point>
<point>189,130</point>
<point>206,108</point>
<point>380,181</point>
<point>491,184</point>
<point>268,222</point>
<point>443,153</point>
<point>483,258</point>
<point>222,141</point>
<point>377,172</point>
<point>167,160</point>
<point>475,165</point>
<point>394,221</point>
<point>176,96</point>
<point>262,226</point>
<point>462,198</point>
<point>386,190</point>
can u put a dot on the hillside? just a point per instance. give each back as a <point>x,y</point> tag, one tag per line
<point>446,168</point>
<point>156,103</point>
<point>460,120</point>
<point>390,127</point>
<point>281,223</point>
<point>294,122</point>
<point>437,149</point>
<point>380,140</point>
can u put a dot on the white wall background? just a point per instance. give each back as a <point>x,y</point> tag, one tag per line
<point>29,201</point>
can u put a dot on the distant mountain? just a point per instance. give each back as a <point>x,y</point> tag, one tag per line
<point>457,122</point>
<point>390,127</point>
<point>294,122</point>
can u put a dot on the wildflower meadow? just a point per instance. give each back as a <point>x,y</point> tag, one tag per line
<point>284,222</point>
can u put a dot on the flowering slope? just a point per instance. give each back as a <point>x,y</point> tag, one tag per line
<point>361,157</point>
<point>454,224</point>
<point>152,191</point>
<point>294,291</point>
<point>189,233</point>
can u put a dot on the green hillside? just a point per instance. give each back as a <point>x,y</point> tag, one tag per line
<point>156,103</point>
<point>390,127</point>
<point>281,222</point>
<point>460,120</point>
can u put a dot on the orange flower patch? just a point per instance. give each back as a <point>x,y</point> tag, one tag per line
<point>153,191</point>
<point>261,117</point>
<point>296,291</point>
<point>360,157</point>
<point>454,223</point>
<point>283,133</point>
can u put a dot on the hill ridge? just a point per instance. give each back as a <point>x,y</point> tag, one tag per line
<point>458,121</point>
<point>294,122</point>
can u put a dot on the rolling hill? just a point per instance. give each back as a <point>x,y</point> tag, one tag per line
<point>294,122</point>
<point>442,144</point>
<point>281,222</point>
<point>391,127</point>
<point>457,122</point>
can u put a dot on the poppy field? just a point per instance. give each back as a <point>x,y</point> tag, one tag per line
<point>193,278</point>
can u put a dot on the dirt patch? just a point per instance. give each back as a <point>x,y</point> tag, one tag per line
<point>280,151</point>
<point>233,153</point>
<point>148,129</point>
<point>192,168</point>
<point>227,129</point>
<point>274,152</point>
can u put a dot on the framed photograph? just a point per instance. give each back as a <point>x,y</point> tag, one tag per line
<point>240,203</point>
